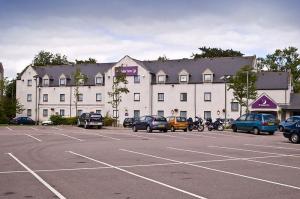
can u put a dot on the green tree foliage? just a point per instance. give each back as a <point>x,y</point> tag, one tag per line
<point>118,88</point>
<point>287,59</point>
<point>207,52</point>
<point>9,105</point>
<point>238,84</point>
<point>162,58</point>
<point>44,58</point>
<point>79,79</point>
<point>88,61</point>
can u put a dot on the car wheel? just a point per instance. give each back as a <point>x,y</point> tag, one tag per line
<point>271,133</point>
<point>86,125</point>
<point>201,128</point>
<point>165,130</point>
<point>220,128</point>
<point>294,138</point>
<point>149,130</point>
<point>234,128</point>
<point>281,128</point>
<point>172,129</point>
<point>185,130</point>
<point>256,131</point>
<point>134,129</point>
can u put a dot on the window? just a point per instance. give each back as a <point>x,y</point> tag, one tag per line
<point>62,97</point>
<point>136,79</point>
<point>29,97</point>
<point>80,98</point>
<point>45,82</point>
<point>161,97</point>
<point>115,113</point>
<point>45,112</point>
<point>62,112</point>
<point>136,113</point>
<point>161,79</point>
<point>99,80</point>
<point>98,97</point>
<point>136,96</point>
<point>183,78</point>
<point>29,112</point>
<point>29,82</point>
<point>183,97</point>
<point>45,97</point>
<point>234,106</point>
<point>207,77</point>
<point>207,114</point>
<point>98,111</point>
<point>79,112</point>
<point>250,117</point>
<point>207,96</point>
<point>62,81</point>
<point>160,113</point>
<point>243,117</point>
<point>183,114</point>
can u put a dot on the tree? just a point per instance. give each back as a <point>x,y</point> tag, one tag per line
<point>162,58</point>
<point>79,79</point>
<point>287,59</point>
<point>89,61</point>
<point>207,52</point>
<point>44,58</point>
<point>118,88</point>
<point>238,84</point>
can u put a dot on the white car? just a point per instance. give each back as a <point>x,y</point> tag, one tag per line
<point>47,122</point>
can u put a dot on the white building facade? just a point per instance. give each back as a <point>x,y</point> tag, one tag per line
<point>173,87</point>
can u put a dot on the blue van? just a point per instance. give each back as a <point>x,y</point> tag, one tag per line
<point>292,132</point>
<point>256,123</point>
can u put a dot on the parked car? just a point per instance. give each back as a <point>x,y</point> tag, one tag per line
<point>47,122</point>
<point>128,122</point>
<point>177,123</point>
<point>22,121</point>
<point>150,123</point>
<point>88,120</point>
<point>256,123</point>
<point>292,132</point>
<point>288,122</point>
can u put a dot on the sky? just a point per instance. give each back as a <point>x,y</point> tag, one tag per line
<point>107,30</point>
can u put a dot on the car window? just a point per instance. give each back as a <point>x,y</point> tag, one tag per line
<point>289,120</point>
<point>296,119</point>
<point>250,117</point>
<point>269,118</point>
<point>142,118</point>
<point>242,118</point>
<point>96,115</point>
<point>180,119</point>
<point>159,119</point>
<point>258,117</point>
<point>148,119</point>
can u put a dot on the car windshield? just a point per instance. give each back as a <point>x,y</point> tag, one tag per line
<point>180,119</point>
<point>160,119</point>
<point>96,115</point>
<point>269,118</point>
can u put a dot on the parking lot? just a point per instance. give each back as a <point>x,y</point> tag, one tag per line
<point>71,162</point>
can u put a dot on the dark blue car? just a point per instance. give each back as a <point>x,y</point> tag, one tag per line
<point>292,132</point>
<point>150,123</point>
<point>288,122</point>
<point>256,123</point>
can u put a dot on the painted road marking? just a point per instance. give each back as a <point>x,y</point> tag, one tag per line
<point>238,149</point>
<point>199,135</point>
<point>97,134</point>
<point>34,128</point>
<point>217,170</point>
<point>59,195</point>
<point>74,138</point>
<point>138,136</point>
<point>9,128</point>
<point>236,158</point>
<point>275,147</point>
<point>56,128</point>
<point>172,136</point>
<point>33,137</point>
<point>140,176</point>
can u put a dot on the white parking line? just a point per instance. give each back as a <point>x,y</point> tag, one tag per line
<point>56,128</point>
<point>105,136</point>
<point>275,147</point>
<point>33,137</point>
<point>74,138</point>
<point>217,170</point>
<point>236,158</point>
<point>199,135</point>
<point>34,128</point>
<point>140,176</point>
<point>59,195</point>
<point>238,149</point>
<point>130,134</point>
<point>9,128</point>
<point>171,136</point>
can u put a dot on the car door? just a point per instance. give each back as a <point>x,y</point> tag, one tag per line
<point>250,122</point>
<point>139,122</point>
<point>240,122</point>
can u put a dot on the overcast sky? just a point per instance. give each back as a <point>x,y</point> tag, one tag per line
<point>110,29</point>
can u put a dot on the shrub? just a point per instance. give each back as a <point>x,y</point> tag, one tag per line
<point>108,121</point>
<point>57,119</point>
<point>71,120</point>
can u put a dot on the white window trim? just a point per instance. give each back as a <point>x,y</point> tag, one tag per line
<point>136,99</point>
<point>62,78</point>
<point>164,77</point>
<point>181,77</point>
<point>163,97</point>
<point>208,81</point>
<point>205,94</point>
<point>101,79</point>
<point>98,94</point>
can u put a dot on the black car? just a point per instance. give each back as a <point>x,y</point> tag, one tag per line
<point>292,132</point>
<point>128,122</point>
<point>88,120</point>
<point>22,121</point>
<point>150,123</point>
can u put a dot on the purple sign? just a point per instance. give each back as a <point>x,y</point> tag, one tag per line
<point>264,102</point>
<point>127,70</point>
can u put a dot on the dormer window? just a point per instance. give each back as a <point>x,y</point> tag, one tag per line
<point>45,82</point>
<point>62,81</point>
<point>99,79</point>
<point>161,79</point>
<point>183,78</point>
<point>208,77</point>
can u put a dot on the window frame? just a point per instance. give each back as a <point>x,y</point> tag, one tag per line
<point>60,97</point>
<point>163,97</point>
<point>183,114</point>
<point>136,99</point>
<point>232,107</point>
<point>207,80</point>
<point>65,81</point>
<point>62,111</point>
<point>29,112</point>
<point>45,97</point>
<point>163,80</point>
<point>29,84</point>
<point>80,97</point>
<point>45,112</point>
<point>101,80</point>
<point>205,94</point>
<point>44,80</point>
<point>97,95</point>
<point>136,79</point>
<point>29,99</point>
<point>205,113</point>
<point>182,97</point>
<point>161,111</point>
<point>180,78</point>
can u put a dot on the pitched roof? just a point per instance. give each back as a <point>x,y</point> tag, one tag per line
<point>195,67</point>
<point>272,80</point>
<point>294,102</point>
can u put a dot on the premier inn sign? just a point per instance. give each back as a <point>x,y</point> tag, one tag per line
<point>127,70</point>
<point>264,102</point>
